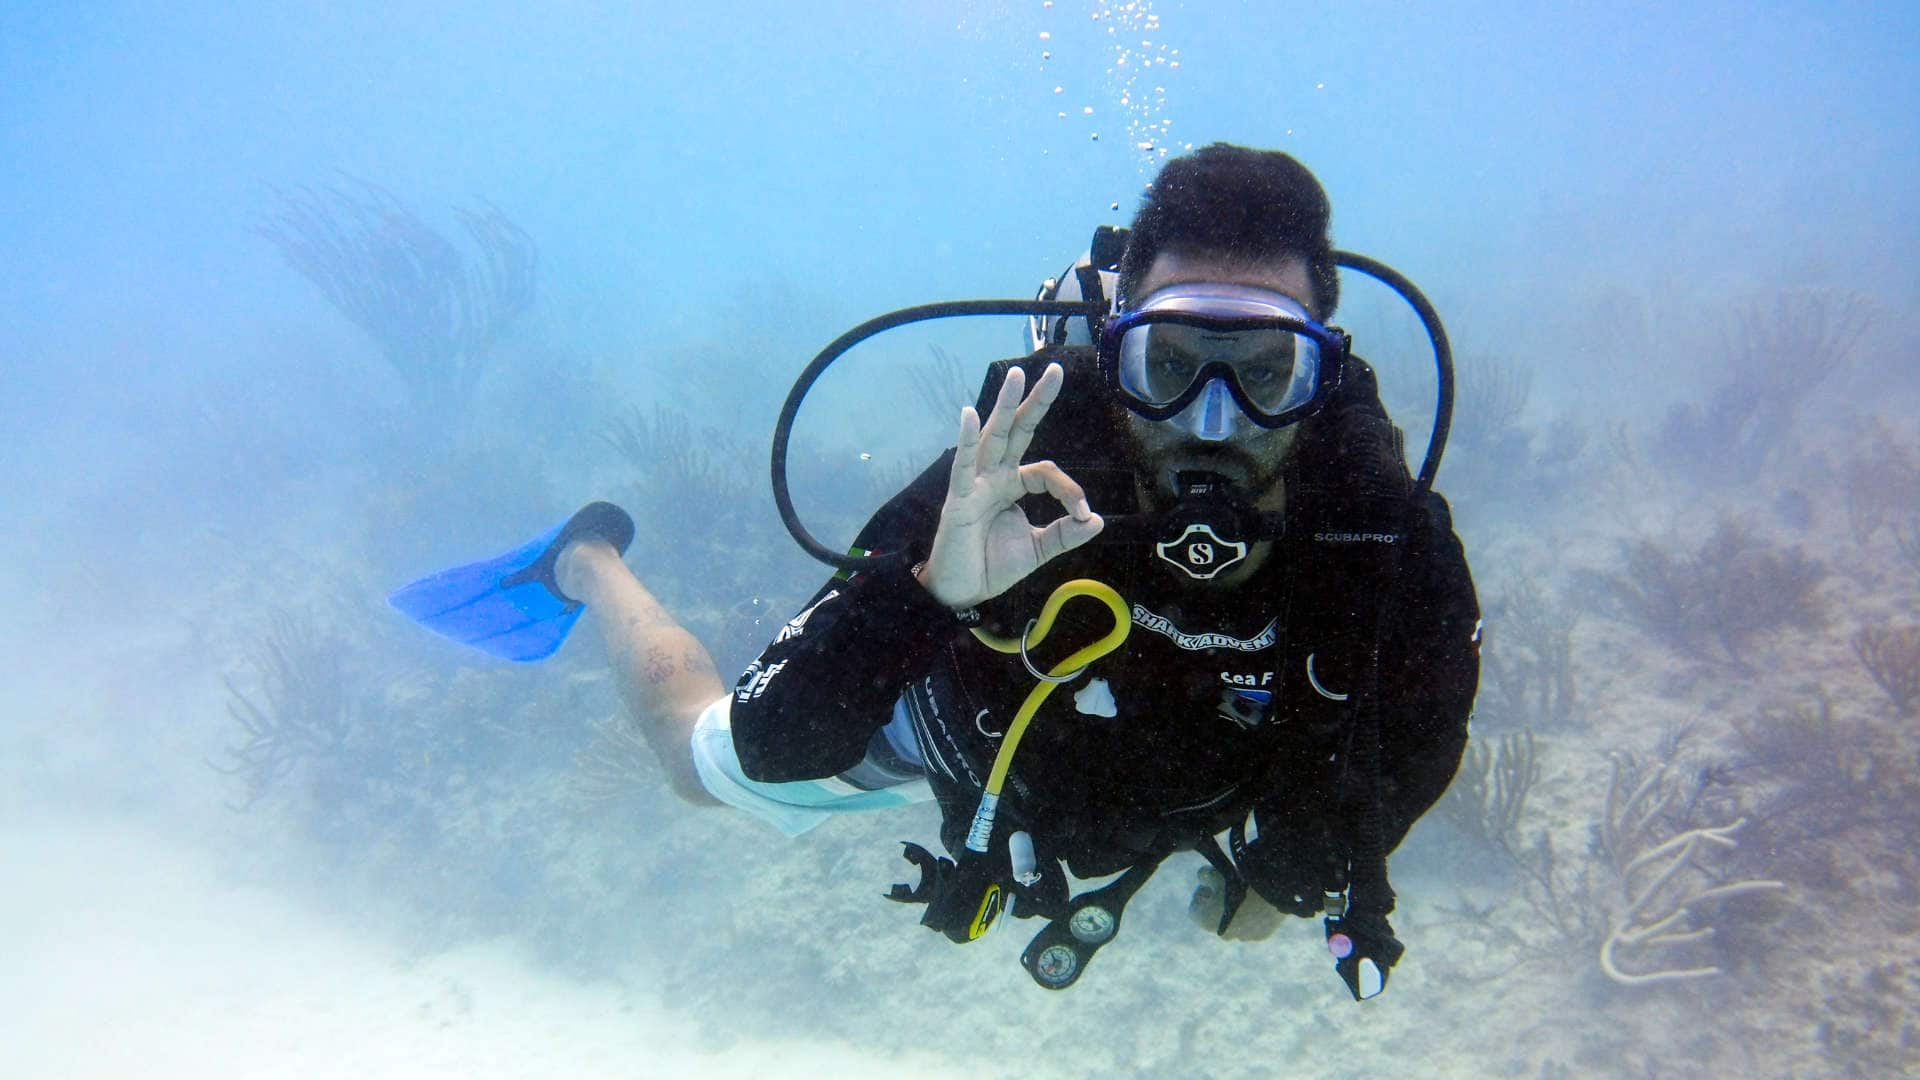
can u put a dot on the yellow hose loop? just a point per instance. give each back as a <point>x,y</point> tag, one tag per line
<point>1122,623</point>
<point>1099,590</point>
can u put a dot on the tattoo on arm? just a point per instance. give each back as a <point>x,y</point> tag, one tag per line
<point>657,664</point>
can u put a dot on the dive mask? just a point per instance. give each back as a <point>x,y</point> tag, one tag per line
<point>1193,352</point>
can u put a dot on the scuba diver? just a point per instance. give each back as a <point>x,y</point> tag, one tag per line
<point>1194,482</point>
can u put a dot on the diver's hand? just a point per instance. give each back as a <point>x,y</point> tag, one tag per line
<point>1364,949</point>
<point>985,544</point>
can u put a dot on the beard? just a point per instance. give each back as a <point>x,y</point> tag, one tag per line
<point>1250,461</point>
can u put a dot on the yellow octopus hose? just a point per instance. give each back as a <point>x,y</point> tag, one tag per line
<point>982,828</point>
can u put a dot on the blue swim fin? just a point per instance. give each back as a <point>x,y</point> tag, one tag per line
<point>511,606</point>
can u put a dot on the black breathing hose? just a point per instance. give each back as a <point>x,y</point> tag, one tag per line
<point>783,428</point>
<point>1442,357</point>
<point>1094,314</point>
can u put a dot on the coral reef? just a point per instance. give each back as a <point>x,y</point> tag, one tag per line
<point>1493,455</point>
<point>943,388</point>
<point>1488,797</point>
<point>1526,660</point>
<point>703,474</point>
<point>1655,885</point>
<point>434,309</point>
<point>297,712</point>
<point>1715,602</point>
<point>1867,1026</point>
<point>1892,657</point>
<point>1668,877</point>
<point>1821,765</point>
<point>1881,478</point>
<point>617,764</point>
<point>1906,539</point>
<point>1748,422</point>
<point>1816,776</point>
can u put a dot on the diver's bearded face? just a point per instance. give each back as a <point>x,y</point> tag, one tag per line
<point>1251,458</point>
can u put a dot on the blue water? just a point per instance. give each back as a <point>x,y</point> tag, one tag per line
<point>192,435</point>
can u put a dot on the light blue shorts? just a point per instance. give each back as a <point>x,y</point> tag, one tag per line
<point>893,774</point>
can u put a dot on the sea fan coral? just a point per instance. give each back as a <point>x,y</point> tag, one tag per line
<point>1892,657</point>
<point>434,309</point>
<point>1715,602</point>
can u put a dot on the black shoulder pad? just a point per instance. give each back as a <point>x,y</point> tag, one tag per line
<point>1350,449</point>
<point>1359,388</point>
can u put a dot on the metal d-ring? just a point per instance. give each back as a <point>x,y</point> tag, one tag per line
<point>1056,680</point>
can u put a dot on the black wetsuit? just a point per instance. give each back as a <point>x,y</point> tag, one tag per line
<point>1167,739</point>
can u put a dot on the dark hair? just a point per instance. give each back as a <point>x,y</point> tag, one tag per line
<point>1240,203</point>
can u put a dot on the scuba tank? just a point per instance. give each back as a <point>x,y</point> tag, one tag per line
<point>1092,279</point>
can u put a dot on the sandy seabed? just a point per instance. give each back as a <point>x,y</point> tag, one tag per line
<point>129,956</point>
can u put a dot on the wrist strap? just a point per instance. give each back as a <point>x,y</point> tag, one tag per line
<point>968,617</point>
